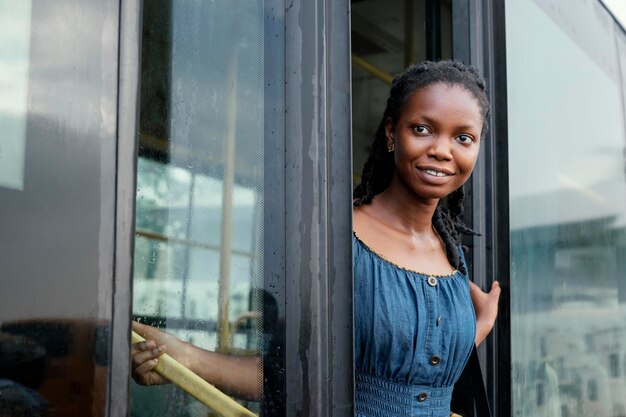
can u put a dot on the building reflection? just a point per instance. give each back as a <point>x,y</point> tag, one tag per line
<point>571,311</point>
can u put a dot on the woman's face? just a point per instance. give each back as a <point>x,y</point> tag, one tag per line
<point>436,140</point>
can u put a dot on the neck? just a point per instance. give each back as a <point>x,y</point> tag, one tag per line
<point>408,212</point>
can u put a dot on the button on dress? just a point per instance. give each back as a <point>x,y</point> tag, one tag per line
<point>413,336</point>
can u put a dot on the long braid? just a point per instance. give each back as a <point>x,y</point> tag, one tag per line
<point>445,229</point>
<point>379,168</point>
<point>377,171</point>
<point>454,203</point>
<point>448,222</point>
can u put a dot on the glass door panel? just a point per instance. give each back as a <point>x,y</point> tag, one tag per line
<point>567,210</point>
<point>200,202</point>
<point>58,118</point>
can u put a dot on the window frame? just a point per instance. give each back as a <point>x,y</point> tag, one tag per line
<point>318,221</point>
<point>478,38</point>
<point>127,127</point>
<point>311,265</point>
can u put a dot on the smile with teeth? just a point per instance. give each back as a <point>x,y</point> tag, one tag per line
<point>435,173</point>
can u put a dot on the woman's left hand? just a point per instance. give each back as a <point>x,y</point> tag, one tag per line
<point>486,308</point>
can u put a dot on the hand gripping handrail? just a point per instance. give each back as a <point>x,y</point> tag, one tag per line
<point>191,383</point>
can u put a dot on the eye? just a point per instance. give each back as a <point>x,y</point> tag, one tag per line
<point>465,139</point>
<point>420,129</point>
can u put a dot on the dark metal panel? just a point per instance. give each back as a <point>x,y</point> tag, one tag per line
<point>487,191</point>
<point>476,32</point>
<point>461,39</point>
<point>318,211</point>
<point>478,185</point>
<point>305,101</point>
<point>461,51</point>
<point>433,30</point>
<point>479,39</point>
<point>339,188</point>
<point>128,109</point>
<point>490,196</point>
<point>499,347</point>
<point>306,278</point>
<point>274,235</point>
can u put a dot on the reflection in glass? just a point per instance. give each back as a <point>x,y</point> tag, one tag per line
<point>58,115</point>
<point>198,248</point>
<point>567,210</point>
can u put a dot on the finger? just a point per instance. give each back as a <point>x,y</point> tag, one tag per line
<point>142,346</point>
<point>147,355</point>
<point>143,329</point>
<point>148,332</point>
<point>141,372</point>
<point>495,289</point>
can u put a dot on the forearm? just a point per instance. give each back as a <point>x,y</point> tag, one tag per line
<point>483,328</point>
<point>240,376</point>
<point>486,308</point>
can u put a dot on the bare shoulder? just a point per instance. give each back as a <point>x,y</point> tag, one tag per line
<point>367,224</point>
<point>360,218</point>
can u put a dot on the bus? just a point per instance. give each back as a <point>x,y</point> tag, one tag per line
<point>189,165</point>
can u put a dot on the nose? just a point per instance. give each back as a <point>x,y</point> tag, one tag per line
<point>440,148</point>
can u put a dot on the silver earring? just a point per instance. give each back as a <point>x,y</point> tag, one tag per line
<point>390,147</point>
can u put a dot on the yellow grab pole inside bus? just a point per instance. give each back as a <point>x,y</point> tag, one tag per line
<point>191,383</point>
<point>372,69</point>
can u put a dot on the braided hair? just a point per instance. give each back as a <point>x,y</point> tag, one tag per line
<point>379,167</point>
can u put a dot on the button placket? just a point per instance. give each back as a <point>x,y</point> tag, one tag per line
<point>433,282</point>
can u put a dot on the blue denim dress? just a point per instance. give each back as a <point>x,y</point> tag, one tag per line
<point>413,335</point>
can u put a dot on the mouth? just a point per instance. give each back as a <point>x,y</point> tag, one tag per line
<point>436,172</point>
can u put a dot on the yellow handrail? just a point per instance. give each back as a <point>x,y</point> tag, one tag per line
<point>249,315</point>
<point>372,69</point>
<point>191,383</point>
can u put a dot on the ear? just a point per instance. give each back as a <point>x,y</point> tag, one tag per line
<point>389,130</point>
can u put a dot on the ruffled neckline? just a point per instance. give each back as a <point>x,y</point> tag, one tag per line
<point>387,261</point>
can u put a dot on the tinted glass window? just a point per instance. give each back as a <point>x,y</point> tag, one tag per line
<point>58,115</point>
<point>567,208</point>
<point>199,248</point>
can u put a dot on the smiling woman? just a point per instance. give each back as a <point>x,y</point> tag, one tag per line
<point>414,322</point>
<point>436,140</point>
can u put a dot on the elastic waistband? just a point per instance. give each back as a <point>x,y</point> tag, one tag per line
<point>378,397</point>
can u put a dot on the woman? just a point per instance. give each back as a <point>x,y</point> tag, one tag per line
<point>414,322</point>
